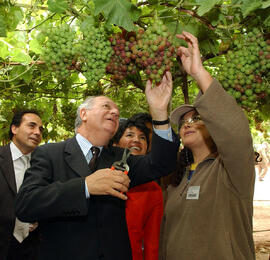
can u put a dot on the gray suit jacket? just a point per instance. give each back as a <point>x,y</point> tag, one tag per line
<point>8,193</point>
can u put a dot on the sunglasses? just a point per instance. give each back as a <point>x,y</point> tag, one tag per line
<point>190,120</point>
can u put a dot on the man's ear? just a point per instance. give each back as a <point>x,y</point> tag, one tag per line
<point>83,113</point>
<point>14,129</point>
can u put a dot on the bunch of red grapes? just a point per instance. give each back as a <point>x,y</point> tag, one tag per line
<point>150,51</point>
<point>121,63</point>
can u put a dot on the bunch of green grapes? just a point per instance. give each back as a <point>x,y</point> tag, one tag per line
<point>95,50</point>
<point>245,73</point>
<point>122,63</point>
<point>154,51</point>
<point>59,52</point>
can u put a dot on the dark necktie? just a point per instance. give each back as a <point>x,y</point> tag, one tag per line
<point>93,162</point>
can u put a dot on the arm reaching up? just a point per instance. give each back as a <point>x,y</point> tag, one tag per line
<point>158,99</point>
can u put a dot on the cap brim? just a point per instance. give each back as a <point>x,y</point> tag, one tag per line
<point>179,112</point>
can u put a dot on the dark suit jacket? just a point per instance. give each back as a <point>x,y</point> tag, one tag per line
<point>73,227</point>
<point>8,191</point>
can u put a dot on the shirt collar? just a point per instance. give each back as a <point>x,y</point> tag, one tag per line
<point>16,152</point>
<point>84,144</point>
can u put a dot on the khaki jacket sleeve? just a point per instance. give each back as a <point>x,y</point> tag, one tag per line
<point>229,129</point>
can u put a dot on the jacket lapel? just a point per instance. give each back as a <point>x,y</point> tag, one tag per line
<point>108,156</point>
<point>6,167</point>
<point>75,159</point>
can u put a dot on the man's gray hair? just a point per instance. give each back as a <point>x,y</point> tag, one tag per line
<point>87,103</point>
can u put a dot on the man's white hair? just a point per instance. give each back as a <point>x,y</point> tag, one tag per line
<point>88,104</point>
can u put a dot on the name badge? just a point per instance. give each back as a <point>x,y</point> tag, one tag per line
<point>193,193</point>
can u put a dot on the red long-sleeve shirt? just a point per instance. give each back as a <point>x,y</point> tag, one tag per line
<point>144,211</point>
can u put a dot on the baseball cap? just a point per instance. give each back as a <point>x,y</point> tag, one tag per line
<point>178,112</point>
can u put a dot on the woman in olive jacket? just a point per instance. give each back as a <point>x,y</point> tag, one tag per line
<point>208,214</point>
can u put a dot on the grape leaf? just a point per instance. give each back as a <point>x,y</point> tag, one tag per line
<point>27,76</point>
<point>249,6</point>
<point>267,21</point>
<point>2,119</point>
<point>265,4</point>
<point>216,17</point>
<point>4,52</point>
<point>9,19</point>
<point>14,16</point>
<point>205,6</point>
<point>2,27</point>
<point>57,6</point>
<point>19,56</point>
<point>35,46</point>
<point>119,12</point>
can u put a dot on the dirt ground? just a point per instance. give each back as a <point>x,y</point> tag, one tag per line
<point>261,229</point>
<point>261,217</point>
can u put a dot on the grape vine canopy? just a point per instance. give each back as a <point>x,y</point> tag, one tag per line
<point>55,53</point>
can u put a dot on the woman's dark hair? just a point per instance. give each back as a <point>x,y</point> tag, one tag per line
<point>142,117</point>
<point>17,119</point>
<point>185,158</point>
<point>123,125</point>
<point>120,131</point>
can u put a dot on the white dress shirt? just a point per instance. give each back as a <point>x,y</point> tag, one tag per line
<point>20,163</point>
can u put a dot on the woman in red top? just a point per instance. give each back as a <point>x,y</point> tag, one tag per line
<point>144,207</point>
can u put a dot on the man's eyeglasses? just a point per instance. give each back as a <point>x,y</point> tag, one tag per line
<point>190,120</point>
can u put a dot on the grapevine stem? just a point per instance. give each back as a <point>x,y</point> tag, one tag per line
<point>10,80</point>
<point>29,30</point>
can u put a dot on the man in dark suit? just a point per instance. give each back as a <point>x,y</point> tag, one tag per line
<point>18,241</point>
<point>81,212</point>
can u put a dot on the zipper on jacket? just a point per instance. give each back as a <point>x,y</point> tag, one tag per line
<point>185,187</point>
<point>188,180</point>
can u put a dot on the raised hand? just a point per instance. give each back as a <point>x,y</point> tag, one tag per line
<point>191,60</point>
<point>190,57</point>
<point>158,97</point>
